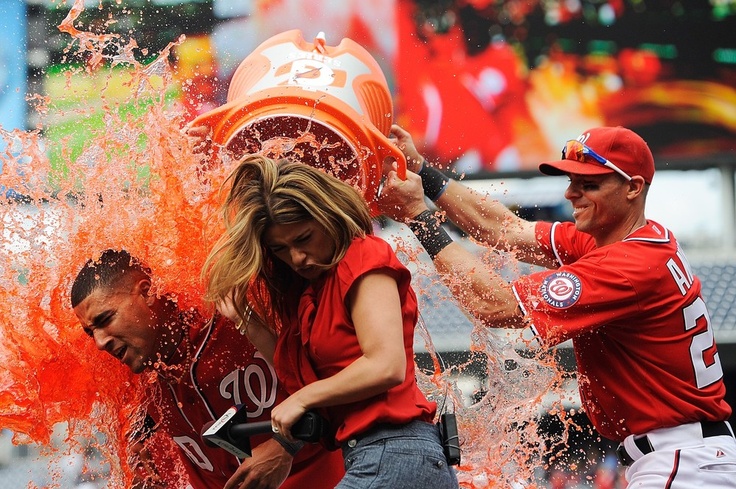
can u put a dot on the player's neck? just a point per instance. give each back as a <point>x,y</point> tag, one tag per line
<point>621,232</point>
<point>174,365</point>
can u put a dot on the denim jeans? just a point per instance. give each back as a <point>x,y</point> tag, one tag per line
<point>397,457</point>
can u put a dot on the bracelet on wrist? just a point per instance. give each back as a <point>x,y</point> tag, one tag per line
<point>292,447</point>
<point>434,181</point>
<point>242,325</point>
<point>430,233</point>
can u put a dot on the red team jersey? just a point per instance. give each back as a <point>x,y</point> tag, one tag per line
<point>326,341</point>
<point>226,370</point>
<point>643,340</point>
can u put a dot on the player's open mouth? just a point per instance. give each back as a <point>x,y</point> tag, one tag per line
<point>121,353</point>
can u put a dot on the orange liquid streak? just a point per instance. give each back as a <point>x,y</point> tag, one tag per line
<point>50,371</point>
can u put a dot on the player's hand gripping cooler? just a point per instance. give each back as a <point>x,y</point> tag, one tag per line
<point>328,106</point>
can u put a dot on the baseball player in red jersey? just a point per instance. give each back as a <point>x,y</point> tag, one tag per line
<point>204,367</point>
<point>616,283</point>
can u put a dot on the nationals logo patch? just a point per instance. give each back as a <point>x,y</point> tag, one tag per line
<point>561,289</point>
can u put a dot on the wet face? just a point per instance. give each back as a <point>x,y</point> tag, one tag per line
<point>599,202</point>
<point>301,246</point>
<point>122,323</point>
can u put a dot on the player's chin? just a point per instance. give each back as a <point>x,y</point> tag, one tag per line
<point>138,365</point>
<point>581,223</point>
<point>137,369</point>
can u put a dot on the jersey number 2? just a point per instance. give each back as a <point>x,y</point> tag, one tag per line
<point>705,375</point>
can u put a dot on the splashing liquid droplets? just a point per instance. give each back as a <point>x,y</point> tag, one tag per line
<point>136,183</point>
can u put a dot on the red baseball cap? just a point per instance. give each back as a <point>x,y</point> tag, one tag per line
<point>622,147</point>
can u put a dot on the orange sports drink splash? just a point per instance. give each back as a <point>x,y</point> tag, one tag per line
<point>327,106</point>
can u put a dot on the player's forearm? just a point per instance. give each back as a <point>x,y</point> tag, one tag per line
<point>490,222</point>
<point>479,290</point>
<point>485,219</point>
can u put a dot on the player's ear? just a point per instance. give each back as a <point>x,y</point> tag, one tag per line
<point>637,185</point>
<point>143,287</point>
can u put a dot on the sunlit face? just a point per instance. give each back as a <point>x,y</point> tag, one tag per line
<point>301,246</point>
<point>122,323</point>
<point>599,202</point>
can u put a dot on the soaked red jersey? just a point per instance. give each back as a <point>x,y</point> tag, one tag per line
<point>641,332</point>
<point>227,370</point>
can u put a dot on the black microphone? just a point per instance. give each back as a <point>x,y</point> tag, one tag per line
<point>232,430</point>
<point>217,433</point>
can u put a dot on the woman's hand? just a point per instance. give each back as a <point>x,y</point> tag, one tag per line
<point>227,309</point>
<point>258,333</point>
<point>286,414</point>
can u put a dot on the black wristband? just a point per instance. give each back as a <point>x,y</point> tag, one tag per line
<point>292,447</point>
<point>434,181</point>
<point>426,227</point>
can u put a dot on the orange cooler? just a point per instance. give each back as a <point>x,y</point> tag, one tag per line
<point>327,106</point>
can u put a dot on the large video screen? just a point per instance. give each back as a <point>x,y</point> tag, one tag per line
<point>485,87</point>
<point>499,86</point>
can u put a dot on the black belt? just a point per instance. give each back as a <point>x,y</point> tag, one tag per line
<point>710,428</point>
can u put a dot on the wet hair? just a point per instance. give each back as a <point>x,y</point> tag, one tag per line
<point>110,269</point>
<point>265,192</point>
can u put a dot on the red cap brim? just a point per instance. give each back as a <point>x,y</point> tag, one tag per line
<point>564,167</point>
